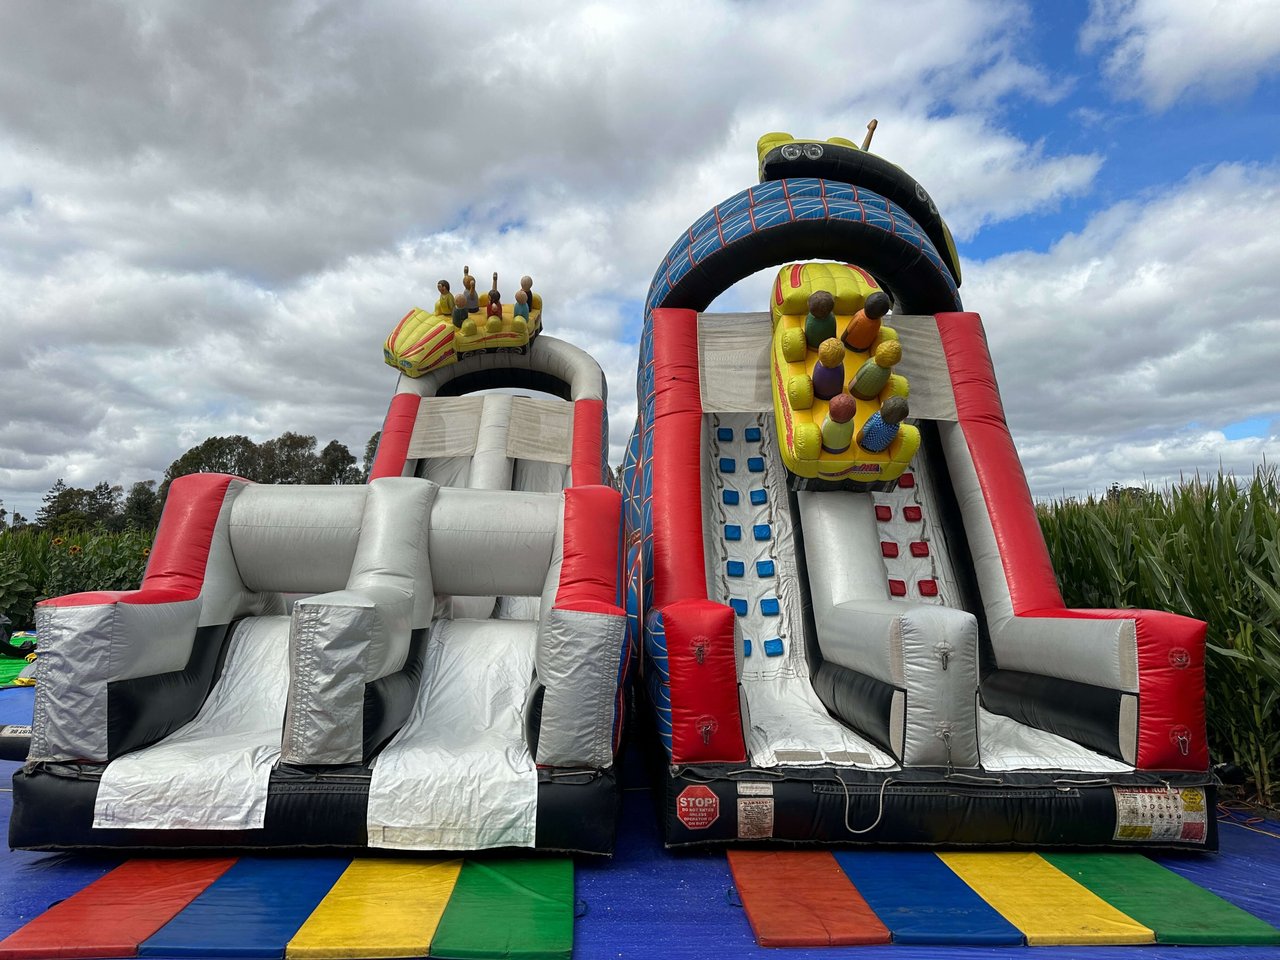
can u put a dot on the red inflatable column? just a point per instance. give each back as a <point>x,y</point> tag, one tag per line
<point>706,721</point>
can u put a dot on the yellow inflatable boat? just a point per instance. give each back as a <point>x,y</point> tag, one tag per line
<point>424,341</point>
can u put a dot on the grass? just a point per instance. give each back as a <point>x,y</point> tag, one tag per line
<point>1206,548</point>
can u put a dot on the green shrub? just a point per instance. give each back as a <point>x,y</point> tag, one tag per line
<point>1208,549</point>
<point>17,592</point>
<point>35,564</point>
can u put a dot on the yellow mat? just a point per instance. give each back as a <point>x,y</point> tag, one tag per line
<point>1043,902</point>
<point>379,908</point>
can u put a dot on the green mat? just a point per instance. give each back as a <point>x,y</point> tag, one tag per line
<point>10,667</point>
<point>509,908</point>
<point>1175,908</point>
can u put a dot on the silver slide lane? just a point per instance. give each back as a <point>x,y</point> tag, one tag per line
<point>786,723</point>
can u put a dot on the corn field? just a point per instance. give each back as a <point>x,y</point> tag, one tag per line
<point>1209,549</point>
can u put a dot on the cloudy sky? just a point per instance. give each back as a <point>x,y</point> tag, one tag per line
<point>211,213</point>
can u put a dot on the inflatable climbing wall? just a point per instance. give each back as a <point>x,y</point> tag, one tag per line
<point>851,629</point>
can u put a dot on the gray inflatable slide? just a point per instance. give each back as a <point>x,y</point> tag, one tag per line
<point>431,661</point>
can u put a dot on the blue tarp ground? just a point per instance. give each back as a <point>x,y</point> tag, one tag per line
<point>648,902</point>
<point>16,704</point>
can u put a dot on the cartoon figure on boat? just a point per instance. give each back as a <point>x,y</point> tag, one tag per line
<point>822,301</point>
<point>426,340</point>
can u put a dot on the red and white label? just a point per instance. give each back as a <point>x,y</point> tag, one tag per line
<point>697,807</point>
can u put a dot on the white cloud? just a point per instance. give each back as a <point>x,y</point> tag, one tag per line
<point>1159,50</point>
<point>1125,350</point>
<point>979,174</point>
<point>211,213</point>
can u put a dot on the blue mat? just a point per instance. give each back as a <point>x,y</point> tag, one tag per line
<point>252,910</point>
<point>17,704</point>
<point>921,900</point>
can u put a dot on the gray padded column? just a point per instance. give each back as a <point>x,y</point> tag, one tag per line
<point>339,642</point>
<point>490,465</point>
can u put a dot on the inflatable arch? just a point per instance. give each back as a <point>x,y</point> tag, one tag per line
<point>787,220</point>
<point>836,661</point>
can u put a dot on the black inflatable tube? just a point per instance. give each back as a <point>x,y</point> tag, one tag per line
<point>822,805</point>
<point>915,283</point>
<point>861,169</point>
<point>307,809</point>
<point>15,741</point>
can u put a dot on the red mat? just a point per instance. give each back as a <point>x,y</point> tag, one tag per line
<point>111,916</point>
<point>802,899</point>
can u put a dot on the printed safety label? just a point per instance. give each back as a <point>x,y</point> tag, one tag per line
<point>1161,813</point>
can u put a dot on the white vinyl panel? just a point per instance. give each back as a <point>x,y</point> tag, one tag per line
<point>459,776</point>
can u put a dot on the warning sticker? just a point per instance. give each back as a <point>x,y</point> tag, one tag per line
<point>1161,813</point>
<point>755,788</point>
<point>697,807</point>
<point>755,818</point>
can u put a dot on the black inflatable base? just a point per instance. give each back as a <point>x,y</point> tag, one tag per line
<point>829,806</point>
<point>306,809</point>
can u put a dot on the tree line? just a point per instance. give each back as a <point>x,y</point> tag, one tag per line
<point>288,458</point>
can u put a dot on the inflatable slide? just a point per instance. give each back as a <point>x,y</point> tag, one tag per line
<point>825,562</point>
<point>434,660</point>
<point>850,625</point>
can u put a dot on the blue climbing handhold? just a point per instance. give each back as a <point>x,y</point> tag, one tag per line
<point>724,434</point>
<point>735,568</point>
<point>739,606</point>
<point>759,498</point>
<point>774,647</point>
<point>728,465</point>
<point>760,531</point>
<point>755,464</point>
<point>730,497</point>
<point>752,434</point>
<point>769,606</point>
<point>732,531</point>
<point>764,568</point>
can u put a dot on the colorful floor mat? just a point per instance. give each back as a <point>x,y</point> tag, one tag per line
<point>1174,907</point>
<point>114,914</point>
<point>923,901</point>
<point>801,899</point>
<point>379,908</point>
<point>258,907</point>
<point>817,898</point>
<point>1043,902</point>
